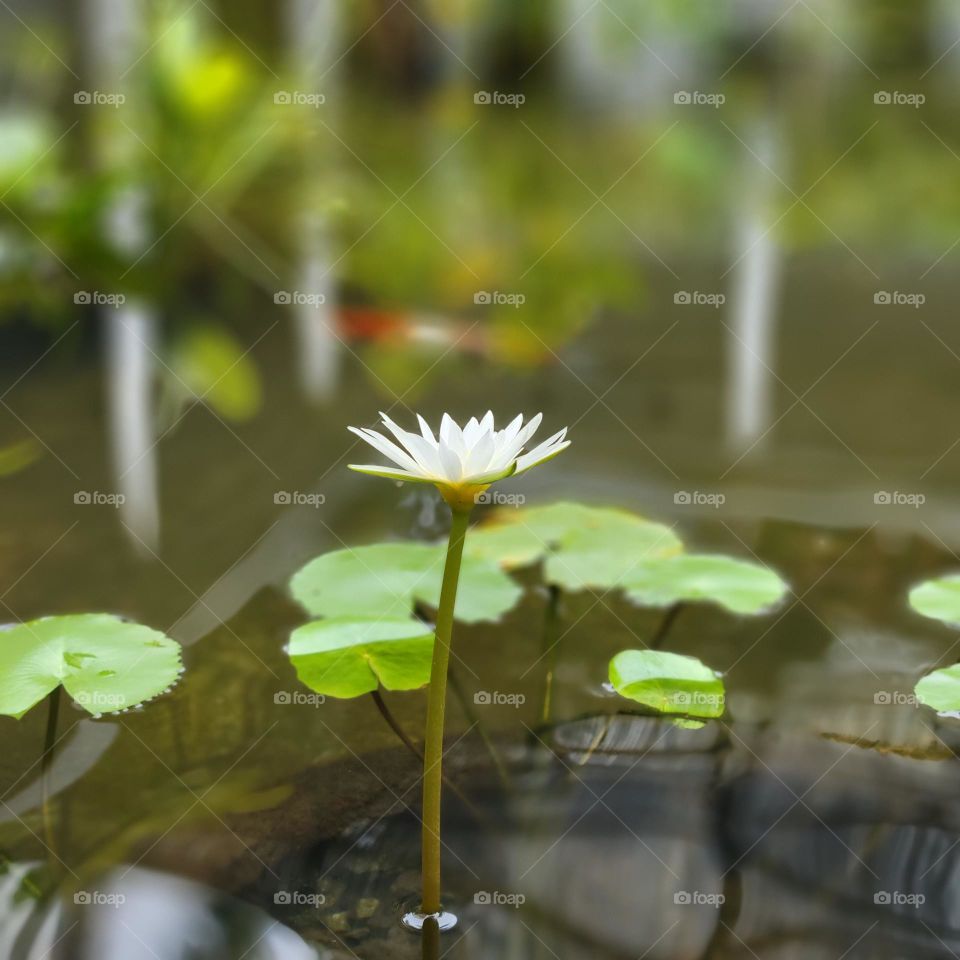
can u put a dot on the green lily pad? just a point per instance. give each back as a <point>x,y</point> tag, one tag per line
<point>208,364</point>
<point>350,656</point>
<point>668,683</point>
<point>939,599</point>
<point>104,663</point>
<point>941,690</point>
<point>384,580</point>
<point>740,587</point>
<point>583,546</point>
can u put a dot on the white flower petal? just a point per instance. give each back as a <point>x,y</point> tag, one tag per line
<point>419,449</point>
<point>426,431</point>
<point>451,463</point>
<point>378,471</point>
<point>478,457</point>
<point>471,432</point>
<point>512,449</point>
<point>387,448</point>
<point>540,454</point>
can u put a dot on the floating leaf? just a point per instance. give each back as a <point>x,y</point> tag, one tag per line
<point>584,546</point>
<point>209,365</point>
<point>106,664</point>
<point>607,553</point>
<point>941,690</point>
<point>349,656</point>
<point>939,599</point>
<point>18,456</point>
<point>735,584</point>
<point>668,682</point>
<point>386,579</point>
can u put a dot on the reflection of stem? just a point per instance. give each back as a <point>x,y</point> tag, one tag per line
<point>551,640</point>
<point>430,939</point>
<point>669,618</point>
<point>53,712</point>
<point>436,706</point>
<point>474,721</point>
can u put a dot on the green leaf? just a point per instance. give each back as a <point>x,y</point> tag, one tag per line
<point>668,683</point>
<point>384,580</point>
<point>349,656</point>
<point>941,690</point>
<point>939,599</point>
<point>106,664</point>
<point>209,365</point>
<point>607,552</point>
<point>584,546</point>
<point>739,586</point>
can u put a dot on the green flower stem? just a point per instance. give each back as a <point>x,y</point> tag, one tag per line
<point>436,705</point>
<point>551,640</point>
<point>669,618</point>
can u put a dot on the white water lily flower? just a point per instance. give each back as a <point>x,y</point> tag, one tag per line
<point>460,462</point>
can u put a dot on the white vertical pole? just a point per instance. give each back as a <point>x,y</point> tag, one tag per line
<point>314,28</point>
<point>753,301</point>
<point>116,37</point>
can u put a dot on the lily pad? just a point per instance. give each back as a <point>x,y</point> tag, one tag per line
<point>941,690</point>
<point>939,599</point>
<point>384,580</point>
<point>104,663</point>
<point>583,546</point>
<point>208,364</point>
<point>737,585</point>
<point>350,656</point>
<point>668,683</point>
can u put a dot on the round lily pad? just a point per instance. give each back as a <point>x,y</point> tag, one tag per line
<point>584,546</point>
<point>104,663</point>
<point>939,598</point>
<point>386,579</point>
<point>668,683</point>
<point>350,656</point>
<point>737,585</point>
<point>941,690</point>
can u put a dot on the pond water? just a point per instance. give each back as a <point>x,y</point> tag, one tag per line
<point>777,832</point>
<point>780,395</point>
